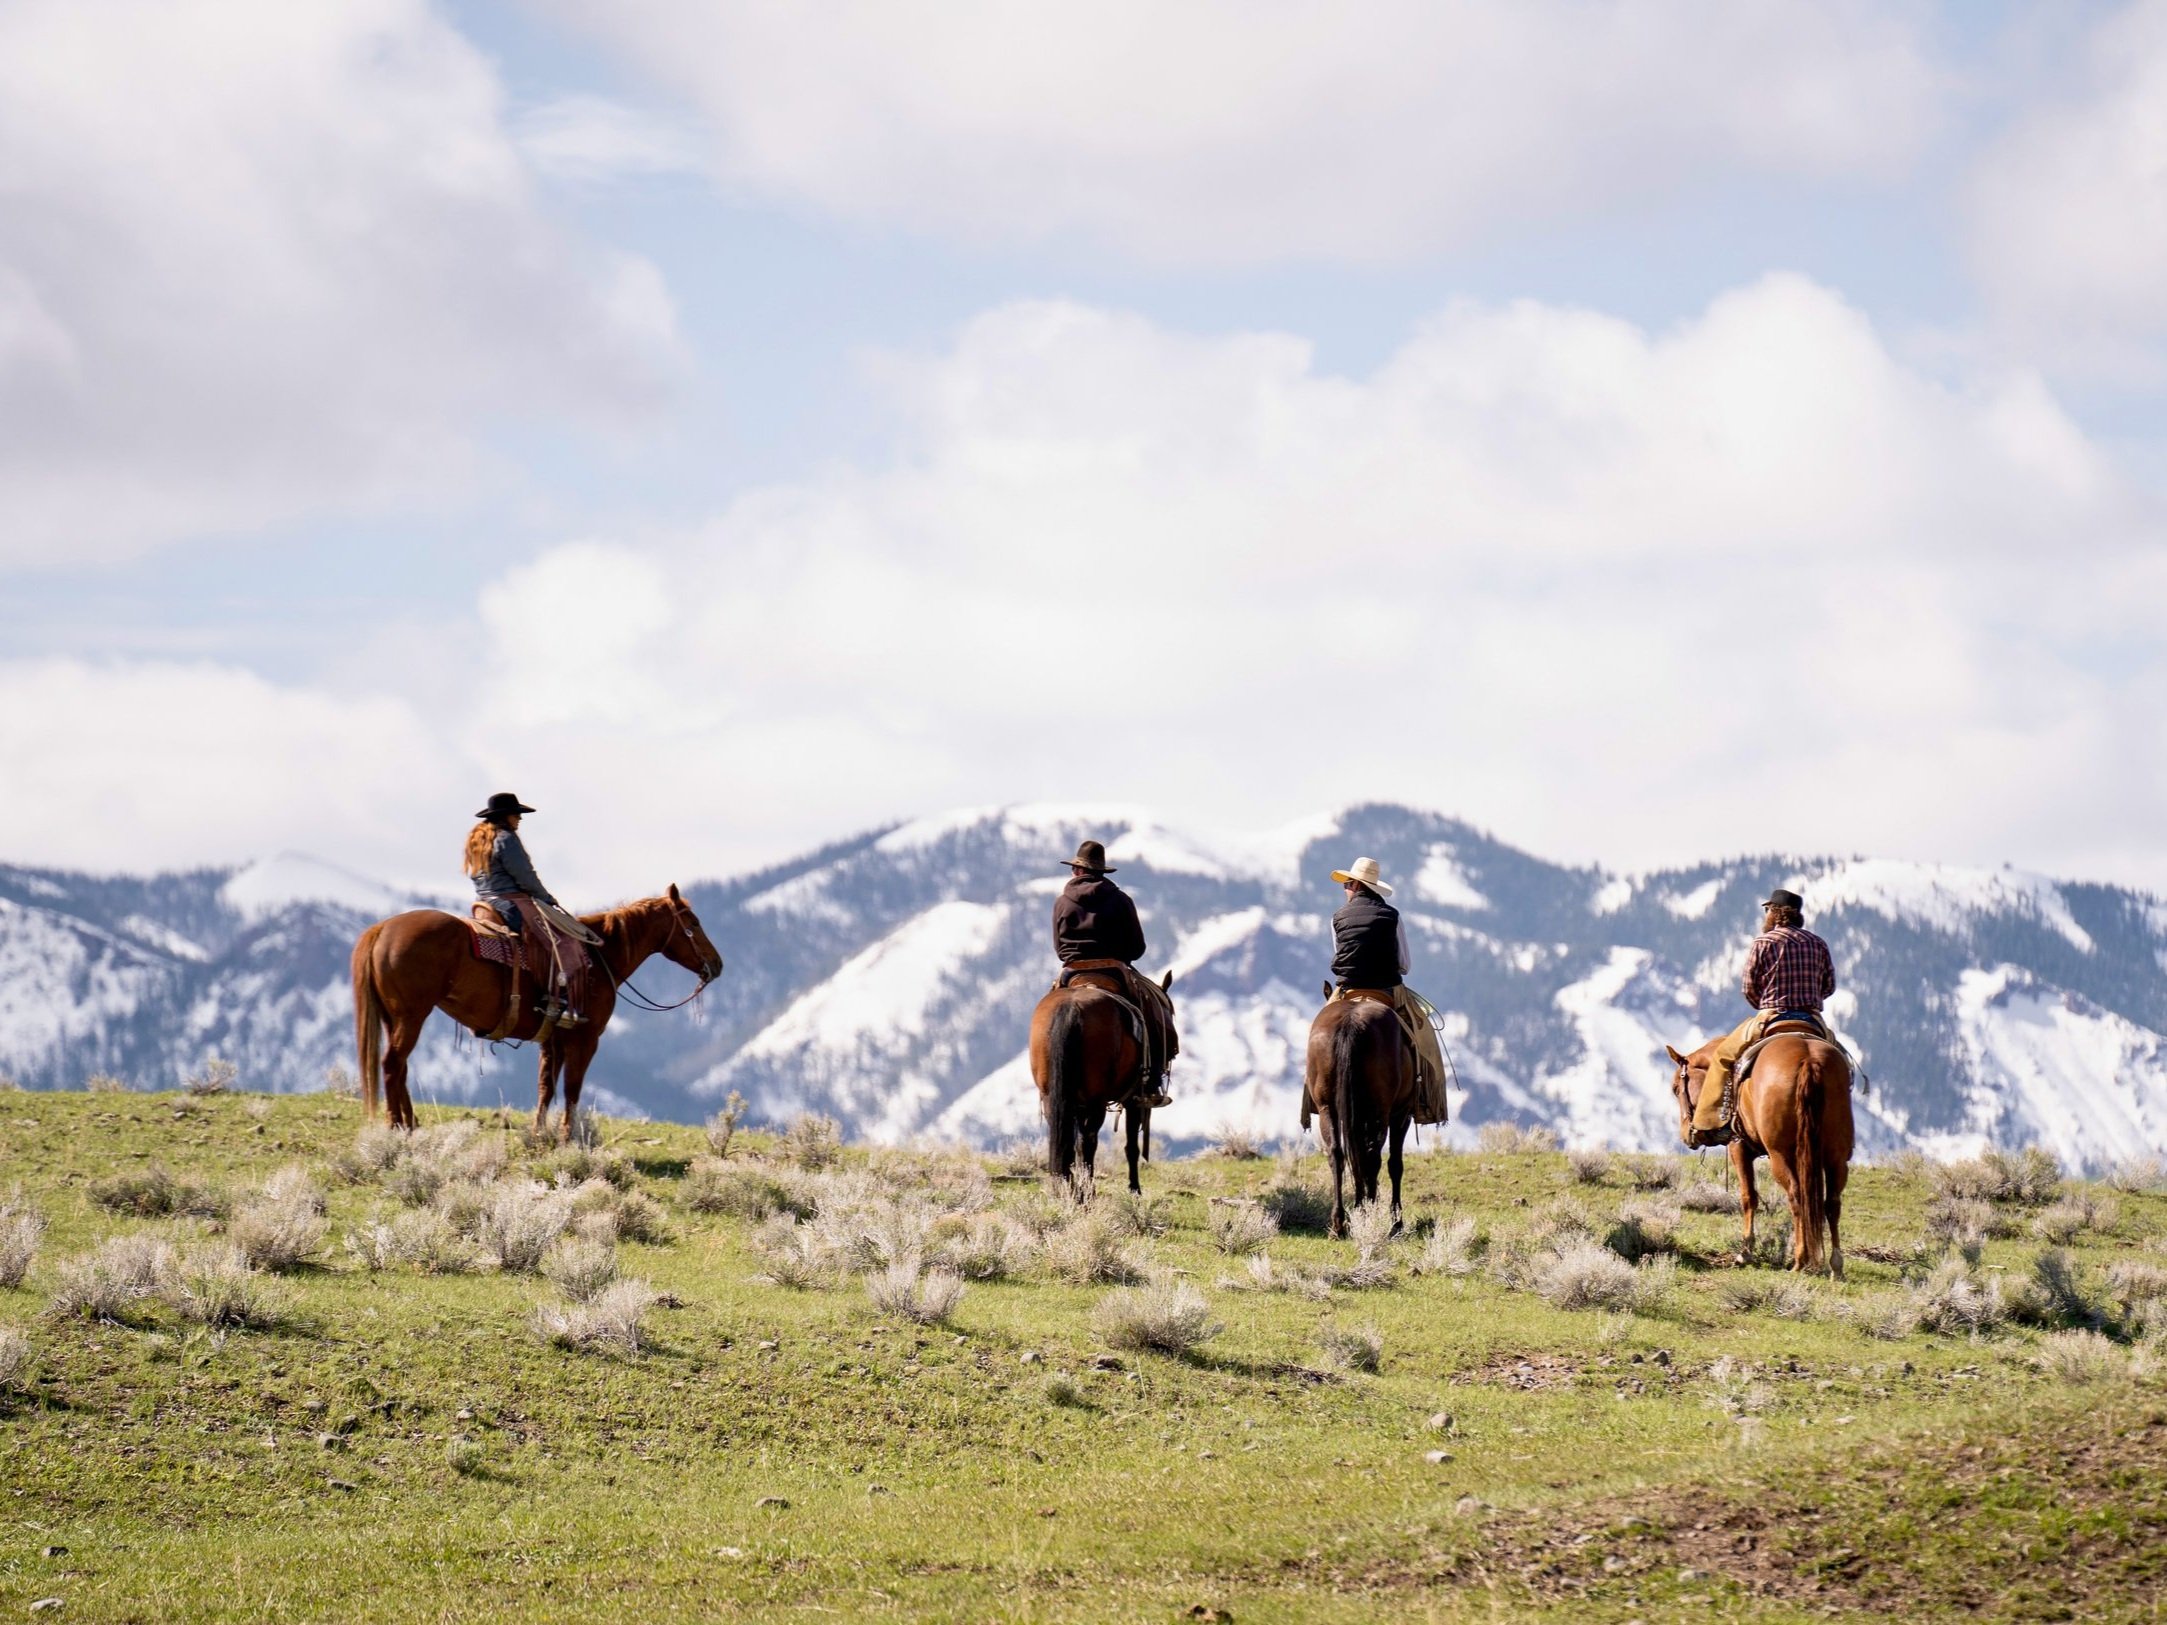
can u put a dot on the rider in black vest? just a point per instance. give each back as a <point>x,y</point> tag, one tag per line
<point>1368,949</point>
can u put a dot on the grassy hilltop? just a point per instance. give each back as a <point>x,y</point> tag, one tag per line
<point>247,1408</point>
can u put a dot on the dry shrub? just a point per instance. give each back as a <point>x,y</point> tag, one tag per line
<point>1241,1226</point>
<point>639,1217</point>
<point>1134,1215</point>
<point>281,1226</point>
<point>521,1222</point>
<point>1733,1389</point>
<point>1452,1248</point>
<point>215,1079</point>
<point>1706,1196</point>
<point>2052,1294</point>
<point>1088,1249</point>
<point>952,1180</point>
<point>1647,1171</point>
<point>116,1280</point>
<point>1297,1202</point>
<point>1238,1145</point>
<point>104,1083</point>
<point>22,1227</point>
<point>2074,1214</point>
<point>18,1360</point>
<point>1019,1159</point>
<point>216,1285</point>
<point>154,1193</point>
<point>1510,1139</point>
<point>811,1142</point>
<point>927,1297</point>
<point>609,1323</point>
<point>992,1247</point>
<point>577,1164</point>
<point>2028,1178</point>
<point>2080,1357</point>
<point>1586,1275</point>
<point>2137,1176</point>
<point>581,1266</point>
<point>375,1150</point>
<point>425,1240</point>
<point>738,1190</point>
<point>722,1127</point>
<point>1960,1223</point>
<point>1063,1390</point>
<point>1350,1348</point>
<point>1644,1229</point>
<point>2140,1288</point>
<point>1889,1316</point>
<point>792,1253</point>
<point>1266,1274</point>
<point>1786,1300</point>
<point>1164,1317</point>
<point>1955,1300</point>
<point>1588,1166</point>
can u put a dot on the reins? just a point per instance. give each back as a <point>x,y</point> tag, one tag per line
<point>641,1001</point>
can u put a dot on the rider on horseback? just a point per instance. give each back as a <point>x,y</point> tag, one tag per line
<point>1369,957</point>
<point>1095,928</point>
<point>1789,974</point>
<point>505,881</point>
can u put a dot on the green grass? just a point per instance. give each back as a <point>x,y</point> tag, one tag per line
<point>405,1447</point>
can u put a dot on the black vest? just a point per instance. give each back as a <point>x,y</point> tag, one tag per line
<point>1366,943</point>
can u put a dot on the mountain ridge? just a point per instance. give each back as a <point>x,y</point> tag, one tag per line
<point>887,979</point>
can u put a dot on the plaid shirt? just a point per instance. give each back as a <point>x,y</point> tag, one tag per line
<point>1788,969</point>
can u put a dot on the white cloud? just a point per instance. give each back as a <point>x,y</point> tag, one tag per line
<point>1751,582</point>
<point>258,259</point>
<point>1218,131</point>
<point>127,767</point>
<point>593,139</point>
<point>2069,207</point>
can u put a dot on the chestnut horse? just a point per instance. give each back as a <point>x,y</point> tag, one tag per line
<point>1795,1110</point>
<point>424,960</point>
<point>1360,1081</point>
<point>1085,1059</point>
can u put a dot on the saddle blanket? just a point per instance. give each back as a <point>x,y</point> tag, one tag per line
<point>496,949</point>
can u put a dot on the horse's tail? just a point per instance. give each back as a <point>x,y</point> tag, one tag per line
<point>1064,1076</point>
<point>1808,1096</point>
<point>368,1021</point>
<point>1346,1069</point>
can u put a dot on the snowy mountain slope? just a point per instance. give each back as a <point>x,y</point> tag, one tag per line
<point>889,979</point>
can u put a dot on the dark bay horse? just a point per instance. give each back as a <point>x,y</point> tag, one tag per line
<point>1795,1110</point>
<point>1085,1059</point>
<point>424,960</point>
<point>1360,1081</point>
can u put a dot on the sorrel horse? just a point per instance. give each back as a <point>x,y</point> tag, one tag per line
<point>1795,1110</point>
<point>1360,1081</point>
<point>1085,1059</point>
<point>424,960</point>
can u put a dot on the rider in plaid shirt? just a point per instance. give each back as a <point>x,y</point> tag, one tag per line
<point>1788,973</point>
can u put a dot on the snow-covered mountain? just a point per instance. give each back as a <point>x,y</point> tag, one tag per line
<point>888,980</point>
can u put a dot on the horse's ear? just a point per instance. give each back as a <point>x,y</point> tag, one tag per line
<point>1327,992</point>
<point>1674,1055</point>
<point>673,893</point>
<point>1166,983</point>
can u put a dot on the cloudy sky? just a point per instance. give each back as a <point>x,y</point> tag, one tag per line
<point>1651,429</point>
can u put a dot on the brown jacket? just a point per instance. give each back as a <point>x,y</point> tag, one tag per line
<point>1094,919</point>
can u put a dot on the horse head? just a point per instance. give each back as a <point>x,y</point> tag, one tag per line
<point>1685,1082</point>
<point>687,943</point>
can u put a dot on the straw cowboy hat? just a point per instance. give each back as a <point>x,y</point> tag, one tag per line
<point>1363,870</point>
<point>1089,855</point>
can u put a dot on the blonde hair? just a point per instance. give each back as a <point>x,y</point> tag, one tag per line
<point>481,841</point>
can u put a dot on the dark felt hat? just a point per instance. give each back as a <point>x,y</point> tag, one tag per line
<point>501,806</point>
<point>1090,855</point>
<point>1779,898</point>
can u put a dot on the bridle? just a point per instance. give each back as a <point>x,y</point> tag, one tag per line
<point>679,916</point>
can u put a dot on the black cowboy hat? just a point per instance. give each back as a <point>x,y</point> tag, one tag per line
<point>1779,898</point>
<point>502,805</point>
<point>1090,855</point>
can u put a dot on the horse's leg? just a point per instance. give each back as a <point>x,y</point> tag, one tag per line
<point>1793,1195</point>
<point>1749,1199</point>
<point>1399,1140</point>
<point>575,1055</point>
<point>545,1082</point>
<point>1832,1204</point>
<point>1094,1119</point>
<point>1134,1125</point>
<point>399,1042</point>
<point>1335,1145</point>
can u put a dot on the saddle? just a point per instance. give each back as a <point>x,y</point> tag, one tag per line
<point>552,957</point>
<point>1807,1027</point>
<point>1142,1000</point>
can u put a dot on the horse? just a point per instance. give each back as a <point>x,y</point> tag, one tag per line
<point>1085,1058</point>
<point>424,960</point>
<point>1795,1109</point>
<point>1360,1082</point>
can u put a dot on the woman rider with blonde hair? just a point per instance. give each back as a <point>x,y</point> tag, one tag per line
<point>504,878</point>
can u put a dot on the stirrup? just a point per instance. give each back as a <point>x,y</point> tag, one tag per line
<point>1155,1100</point>
<point>1702,1139</point>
